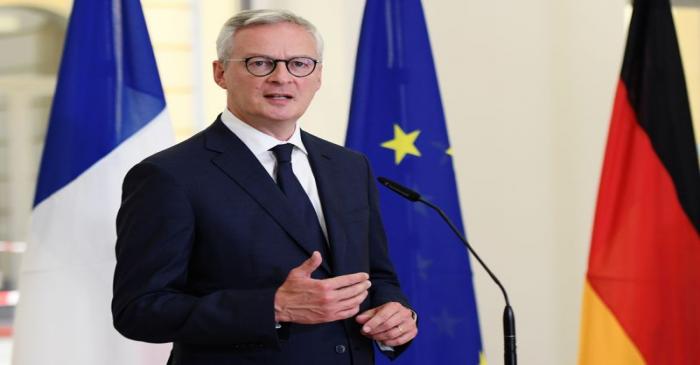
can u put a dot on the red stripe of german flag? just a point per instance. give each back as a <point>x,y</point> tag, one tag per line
<point>642,294</point>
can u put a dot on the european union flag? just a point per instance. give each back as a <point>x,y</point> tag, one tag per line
<point>397,119</point>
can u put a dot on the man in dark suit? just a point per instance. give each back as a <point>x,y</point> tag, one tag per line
<point>254,242</point>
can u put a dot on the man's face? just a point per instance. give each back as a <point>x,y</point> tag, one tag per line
<point>277,100</point>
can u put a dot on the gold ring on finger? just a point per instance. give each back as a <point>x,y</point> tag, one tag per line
<point>399,328</point>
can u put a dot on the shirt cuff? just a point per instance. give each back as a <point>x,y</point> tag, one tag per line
<point>384,347</point>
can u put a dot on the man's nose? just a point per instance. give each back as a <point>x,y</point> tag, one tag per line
<point>280,73</point>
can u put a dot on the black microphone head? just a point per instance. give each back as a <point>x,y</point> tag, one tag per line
<point>384,181</point>
<point>399,189</point>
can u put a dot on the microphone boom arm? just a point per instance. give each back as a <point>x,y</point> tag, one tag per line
<point>466,244</point>
<point>510,356</point>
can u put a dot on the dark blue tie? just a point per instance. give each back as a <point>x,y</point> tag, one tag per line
<point>298,199</point>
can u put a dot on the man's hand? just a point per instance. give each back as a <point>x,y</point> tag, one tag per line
<point>391,324</point>
<point>302,299</point>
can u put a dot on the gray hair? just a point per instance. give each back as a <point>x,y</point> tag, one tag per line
<point>224,42</point>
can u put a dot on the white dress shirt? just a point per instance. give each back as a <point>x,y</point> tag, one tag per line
<point>260,144</point>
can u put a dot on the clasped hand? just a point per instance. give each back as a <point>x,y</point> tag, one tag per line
<point>390,324</point>
<point>302,299</point>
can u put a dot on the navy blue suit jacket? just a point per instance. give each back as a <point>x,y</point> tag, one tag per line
<point>205,238</point>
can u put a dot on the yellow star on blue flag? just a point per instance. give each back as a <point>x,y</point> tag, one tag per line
<point>403,144</point>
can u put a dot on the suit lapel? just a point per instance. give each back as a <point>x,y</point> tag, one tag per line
<point>238,163</point>
<point>325,173</point>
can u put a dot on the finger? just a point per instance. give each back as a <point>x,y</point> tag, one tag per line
<point>351,307</point>
<point>392,327</point>
<point>348,312</point>
<point>354,302</point>
<point>405,337</point>
<point>346,280</point>
<point>390,334</point>
<point>365,316</point>
<point>395,331</point>
<point>346,309</point>
<point>377,324</point>
<point>309,266</point>
<point>341,299</point>
<point>352,291</point>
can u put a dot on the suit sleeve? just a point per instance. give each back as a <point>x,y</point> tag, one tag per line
<point>385,284</point>
<point>155,235</point>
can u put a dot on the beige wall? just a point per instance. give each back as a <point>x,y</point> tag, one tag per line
<point>183,33</point>
<point>528,169</point>
<point>61,7</point>
<point>687,20</point>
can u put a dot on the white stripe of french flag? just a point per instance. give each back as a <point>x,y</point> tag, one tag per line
<point>108,114</point>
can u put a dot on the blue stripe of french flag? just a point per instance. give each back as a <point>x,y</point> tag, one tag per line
<point>108,113</point>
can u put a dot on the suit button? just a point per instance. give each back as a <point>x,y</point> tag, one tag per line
<point>340,349</point>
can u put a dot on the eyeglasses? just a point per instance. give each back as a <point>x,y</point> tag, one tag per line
<point>262,66</point>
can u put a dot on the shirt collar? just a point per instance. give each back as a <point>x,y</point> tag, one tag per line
<point>257,141</point>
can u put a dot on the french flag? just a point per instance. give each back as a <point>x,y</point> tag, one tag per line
<point>108,113</point>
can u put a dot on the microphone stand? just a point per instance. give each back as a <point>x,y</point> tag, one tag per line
<point>510,356</point>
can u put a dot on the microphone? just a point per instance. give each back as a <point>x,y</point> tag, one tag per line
<point>400,189</point>
<point>510,356</point>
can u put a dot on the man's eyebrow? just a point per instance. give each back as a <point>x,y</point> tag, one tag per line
<point>274,58</point>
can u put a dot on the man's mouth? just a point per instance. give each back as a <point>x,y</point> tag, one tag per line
<point>277,96</point>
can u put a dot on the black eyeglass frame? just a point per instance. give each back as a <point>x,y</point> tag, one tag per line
<point>274,64</point>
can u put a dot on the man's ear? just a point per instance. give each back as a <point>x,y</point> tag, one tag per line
<point>218,73</point>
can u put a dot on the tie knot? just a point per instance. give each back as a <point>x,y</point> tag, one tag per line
<point>283,152</point>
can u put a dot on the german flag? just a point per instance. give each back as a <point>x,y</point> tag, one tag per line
<point>641,302</point>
